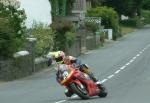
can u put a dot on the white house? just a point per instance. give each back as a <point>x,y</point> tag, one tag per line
<point>36,10</point>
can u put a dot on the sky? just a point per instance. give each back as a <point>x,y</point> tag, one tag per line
<point>36,10</point>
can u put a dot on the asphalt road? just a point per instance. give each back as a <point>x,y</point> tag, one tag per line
<point>123,66</point>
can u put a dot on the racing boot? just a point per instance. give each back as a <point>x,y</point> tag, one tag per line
<point>95,80</point>
<point>91,75</point>
<point>68,93</point>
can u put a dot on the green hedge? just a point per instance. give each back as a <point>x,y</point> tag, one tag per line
<point>146,16</point>
<point>64,33</point>
<point>109,17</point>
<point>129,22</point>
<point>132,22</point>
<point>91,26</point>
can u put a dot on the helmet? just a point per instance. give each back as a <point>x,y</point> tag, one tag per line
<point>67,60</point>
<point>59,55</point>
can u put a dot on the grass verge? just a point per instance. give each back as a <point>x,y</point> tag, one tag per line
<point>125,30</point>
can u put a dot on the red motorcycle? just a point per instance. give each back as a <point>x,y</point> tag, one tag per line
<point>79,83</point>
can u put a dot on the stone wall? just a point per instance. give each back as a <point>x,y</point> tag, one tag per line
<point>90,41</point>
<point>5,69</point>
<point>20,67</point>
<point>15,68</point>
<point>75,49</point>
<point>40,64</point>
<point>82,34</point>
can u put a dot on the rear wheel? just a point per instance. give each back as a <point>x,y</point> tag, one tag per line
<point>80,91</point>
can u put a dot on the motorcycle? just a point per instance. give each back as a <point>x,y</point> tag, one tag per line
<point>79,83</point>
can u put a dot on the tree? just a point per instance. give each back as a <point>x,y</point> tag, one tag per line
<point>134,8</point>
<point>45,38</point>
<point>12,28</point>
<point>118,5</point>
<point>61,7</point>
<point>7,42</point>
<point>65,33</point>
<point>146,4</point>
<point>129,8</point>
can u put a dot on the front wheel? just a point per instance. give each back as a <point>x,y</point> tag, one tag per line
<point>80,91</point>
<point>103,92</point>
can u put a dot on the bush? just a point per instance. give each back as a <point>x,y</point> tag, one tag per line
<point>7,42</point>
<point>45,38</point>
<point>146,4</point>
<point>90,26</point>
<point>146,16</point>
<point>64,33</point>
<point>132,22</point>
<point>109,17</point>
<point>12,29</point>
<point>129,22</point>
<point>70,38</point>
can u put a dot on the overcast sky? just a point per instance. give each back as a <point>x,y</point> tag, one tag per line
<point>38,10</point>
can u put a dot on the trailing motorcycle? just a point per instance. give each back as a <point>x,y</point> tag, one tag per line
<point>79,83</point>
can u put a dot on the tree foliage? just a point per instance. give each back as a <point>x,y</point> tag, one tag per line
<point>146,4</point>
<point>45,38</point>
<point>146,16</point>
<point>129,8</point>
<point>12,28</point>
<point>61,7</point>
<point>65,33</point>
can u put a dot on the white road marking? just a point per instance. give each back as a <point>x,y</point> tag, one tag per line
<point>117,71</point>
<point>61,101</point>
<point>109,77</point>
<point>75,96</point>
<point>138,55</point>
<point>127,64</point>
<point>104,80</point>
<point>123,67</point>
<point>132,60</point>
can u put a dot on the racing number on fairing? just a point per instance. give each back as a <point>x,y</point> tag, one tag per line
<point>65,74</point>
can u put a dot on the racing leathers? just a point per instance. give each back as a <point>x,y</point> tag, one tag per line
<point>76,62</point>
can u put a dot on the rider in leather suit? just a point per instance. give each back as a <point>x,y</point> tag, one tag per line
<point>60,57</point>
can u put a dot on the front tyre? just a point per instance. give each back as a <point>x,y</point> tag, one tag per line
<point>81,92</point>
<point>103,92</point>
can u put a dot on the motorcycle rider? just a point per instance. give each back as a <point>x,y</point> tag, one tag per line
<point>60,57</point>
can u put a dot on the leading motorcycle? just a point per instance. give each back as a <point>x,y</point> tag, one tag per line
<point>79,83</point>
